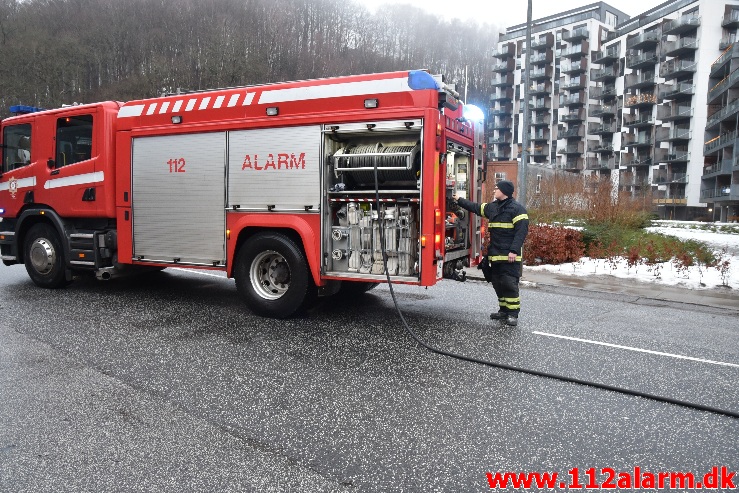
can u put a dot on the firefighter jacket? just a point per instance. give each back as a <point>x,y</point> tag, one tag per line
<point>508,225</point>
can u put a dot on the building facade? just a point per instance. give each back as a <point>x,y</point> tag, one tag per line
<point>647,101</point>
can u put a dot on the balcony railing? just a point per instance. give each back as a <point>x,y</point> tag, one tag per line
<point>673,68</point>
<point>577,34</point>
<point>683,45</point>
<point>638,120</point>
<point>609,54</point>
<point>644,39</point>
<point>683,24</point>
<point>603,74</point>
<point>720,141</point>
<point>725,112</point>
<point>731,19</point>
<point>676,90</point>
<point>640,100</point>
<point>642,60</point>
<point>722,86</point>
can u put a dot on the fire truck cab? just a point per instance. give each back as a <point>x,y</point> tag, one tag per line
<point>294,189</point>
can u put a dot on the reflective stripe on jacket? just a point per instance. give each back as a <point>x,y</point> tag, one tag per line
<point>508,225</point>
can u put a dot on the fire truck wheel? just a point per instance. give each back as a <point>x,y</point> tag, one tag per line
<point>272,275</point>
<point>44,257</point>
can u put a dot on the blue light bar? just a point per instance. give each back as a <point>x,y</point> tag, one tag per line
<point>2,211</point>
<point>419,79</point>
<point>21,109</point>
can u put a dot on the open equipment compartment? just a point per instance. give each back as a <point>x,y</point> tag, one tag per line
<point>352,217</point>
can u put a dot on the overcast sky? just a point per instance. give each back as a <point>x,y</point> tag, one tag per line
<point>505,13</point>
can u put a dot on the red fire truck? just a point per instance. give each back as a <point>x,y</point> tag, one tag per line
<point>285,187</point>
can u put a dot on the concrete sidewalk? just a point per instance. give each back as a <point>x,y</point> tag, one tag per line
<point>724,298</point>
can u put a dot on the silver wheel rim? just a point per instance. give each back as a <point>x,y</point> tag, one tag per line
<point>43,256</point>
<point>270,275</point>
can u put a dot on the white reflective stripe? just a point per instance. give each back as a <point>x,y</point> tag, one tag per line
<point>335,90</point>
<point>152,109</point>
<point>219,101</point>
<point>22,183</point>
<point>68,181</point>
<point>234,100</point>
<point>177,106</point>
<point>165,107</point>
<point>248,98</point>
<point>190,104</point>
<point>133,110</point>
<point>204,103</point>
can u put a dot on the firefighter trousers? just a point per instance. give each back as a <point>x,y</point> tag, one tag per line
<point>505,282</point>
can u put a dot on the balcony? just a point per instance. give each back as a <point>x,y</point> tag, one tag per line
<point>572,164</point>
<point>605,110</point>
<point>639,121</point>
<point>604,74</point>
<point>639,81</point>
<point>605,92</point>
<point>728,82</point>
<point>505,66</point>
<point>665,156</point>
<point>637,160</point>
<point>648,39</point>
<point>600,163</point>
<point>546,41</point>
<point>574,132</point>
<point>637,141</point>
<point>718,143</point>
<point>540,136</point>
<point>681,25</point>
<point>731,20</point>
<point>501,124</point>
<point>503,80</point>
<point>601,148</point>
<point>541,120</point>
<point>575,52</point>
<point>640,101</point>
<point>506,109</point>
<point>728,111</point>
<point>719,65</point>
<point>577,99</point>
<point>630,179</point>
<point>723,167</point>
<point>578,34</point>
<point>505,51</point>
<point>672,69</point>
<point>575,84</point>
<point>721,193</point>
<point>541,104</point>
<point>676,92</point>
<point>674,113</point>
<point>542,58</point>
<point>680,47</point>
<point>540,89</point>
<point>541,74</point>
<point>665,178</point>
<point>504,139</point>
<point>573,116</point>
<point>643,60</point>
<point>675,135</point>
<point>574,68</point>
<point>601,129</point>
<point>502,95</point>
<point>610,54</point>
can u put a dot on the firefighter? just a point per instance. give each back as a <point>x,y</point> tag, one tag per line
<point>508,224</point>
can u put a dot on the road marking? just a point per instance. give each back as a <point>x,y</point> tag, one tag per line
<point>640,350</point>
<point>193,271</point>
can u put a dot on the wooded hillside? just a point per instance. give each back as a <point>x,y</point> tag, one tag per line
<point>55,52</point>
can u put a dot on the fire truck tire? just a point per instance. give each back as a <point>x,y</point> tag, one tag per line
<point>273,276</point>
<point>44,257</point>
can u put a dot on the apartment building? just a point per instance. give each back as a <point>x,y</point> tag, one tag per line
<point>656,110</point>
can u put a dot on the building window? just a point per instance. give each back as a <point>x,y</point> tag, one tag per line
<point>16,146</point>
<point>611,19</point>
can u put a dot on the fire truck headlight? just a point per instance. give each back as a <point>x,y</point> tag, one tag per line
<point>371,103</point>
<point>272,111</point>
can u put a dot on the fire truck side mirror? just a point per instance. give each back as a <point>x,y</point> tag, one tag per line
<point>51,164</point>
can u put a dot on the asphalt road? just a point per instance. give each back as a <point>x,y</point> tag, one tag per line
<point>167,383</point>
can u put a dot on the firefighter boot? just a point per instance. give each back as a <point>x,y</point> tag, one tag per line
<point>512,320</point>
<point>498,316</point>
